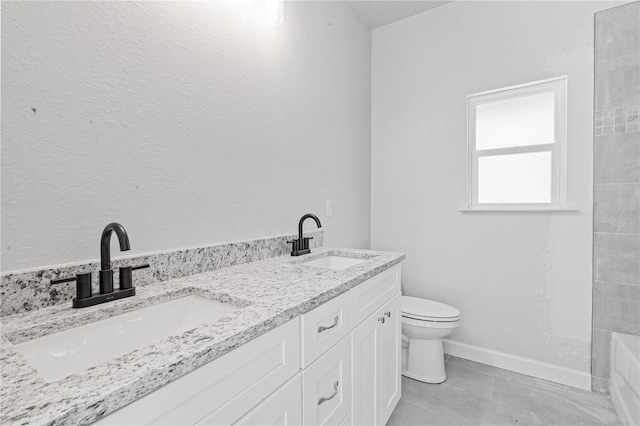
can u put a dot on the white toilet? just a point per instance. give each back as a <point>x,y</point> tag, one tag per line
<point>424,324</point>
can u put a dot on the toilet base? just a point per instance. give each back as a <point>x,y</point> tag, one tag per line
<point>423,379</point>
<point>423,360</point>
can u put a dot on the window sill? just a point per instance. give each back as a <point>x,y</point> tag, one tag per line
<point>519,210</point>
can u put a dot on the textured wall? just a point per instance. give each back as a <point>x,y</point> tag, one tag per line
<point>522,280</point>
<point>183,121</point>
<point>616,199</point>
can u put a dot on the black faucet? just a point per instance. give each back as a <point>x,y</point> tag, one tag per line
<point>84,296</point>
<point>301,245</point>
<point>106,273</point>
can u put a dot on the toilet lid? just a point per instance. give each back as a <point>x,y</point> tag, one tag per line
<point>416,307</point>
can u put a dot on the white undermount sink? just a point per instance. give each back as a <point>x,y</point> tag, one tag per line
<point>62,354</point>
<point>334,262</point>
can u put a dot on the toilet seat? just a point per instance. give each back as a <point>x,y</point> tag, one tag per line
<point>428,310</point>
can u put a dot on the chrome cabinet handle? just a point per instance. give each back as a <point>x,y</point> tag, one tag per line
<point>381,319</point>
<point>388,314</point>
<point>335,323</point>
<point>327,398</point>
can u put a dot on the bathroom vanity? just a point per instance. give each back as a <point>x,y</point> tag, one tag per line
<point>309,340</point>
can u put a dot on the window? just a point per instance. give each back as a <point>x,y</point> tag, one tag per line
<point>517,149</point>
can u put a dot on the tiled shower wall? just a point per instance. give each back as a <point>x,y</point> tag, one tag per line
<point>616,275</point>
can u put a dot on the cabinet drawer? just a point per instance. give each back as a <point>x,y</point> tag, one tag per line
<point>283,407</point>
<point>325,326</point>
<point>367,297</point>
<point>326,386</point>
<point>221,391</point>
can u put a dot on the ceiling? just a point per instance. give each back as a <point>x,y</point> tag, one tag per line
<point>376,13</point>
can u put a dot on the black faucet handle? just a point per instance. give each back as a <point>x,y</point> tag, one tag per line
<point>126,276</point>
<point>83,284</point>
<point>295,245</point>
<point>305,243</point>
<point>63,280</point>
<point>143,266</point>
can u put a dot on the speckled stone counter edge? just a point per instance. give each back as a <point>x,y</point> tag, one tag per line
<point>25,291</point>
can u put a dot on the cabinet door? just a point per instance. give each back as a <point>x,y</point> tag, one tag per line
<point>366,341</point>
<point>376,348</point>
<point>391,351</point>
<point>281,408</point>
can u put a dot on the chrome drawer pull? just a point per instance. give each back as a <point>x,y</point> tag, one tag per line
<point>335,323</point>
<point>388,314</point>
<point>381,319</point>
<point>327,398</point>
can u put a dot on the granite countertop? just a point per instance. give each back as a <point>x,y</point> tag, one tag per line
<point>268,292</point>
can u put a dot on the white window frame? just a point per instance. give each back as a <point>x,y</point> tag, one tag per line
<point>558,149</point>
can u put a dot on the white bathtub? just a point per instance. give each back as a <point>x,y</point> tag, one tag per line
<point>625,377</point>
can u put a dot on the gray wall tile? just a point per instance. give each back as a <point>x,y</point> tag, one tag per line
<point>600,354</point>
<point>616,307</point>
<point>616,265</point>
<point>617,82</point>
<point>617,258</point>
<point>617,208</point>
<point>618,31</point>
<point>617,158</point>
<point>599,385</point>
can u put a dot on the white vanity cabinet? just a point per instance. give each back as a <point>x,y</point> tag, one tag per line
<point>338,364</point>
<point>373,345</point>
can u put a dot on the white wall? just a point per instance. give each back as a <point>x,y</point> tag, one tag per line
<point>521,280</point>
<point>182,121</point>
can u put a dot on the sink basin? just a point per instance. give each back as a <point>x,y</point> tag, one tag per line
<point>335,263</point>
<point>62,354</point>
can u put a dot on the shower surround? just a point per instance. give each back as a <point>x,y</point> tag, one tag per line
<point>616,227</point>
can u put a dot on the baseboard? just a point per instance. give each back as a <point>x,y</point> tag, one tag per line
<point>542,370</point>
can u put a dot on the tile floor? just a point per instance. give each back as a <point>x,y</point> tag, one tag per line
<point>477,394</point>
